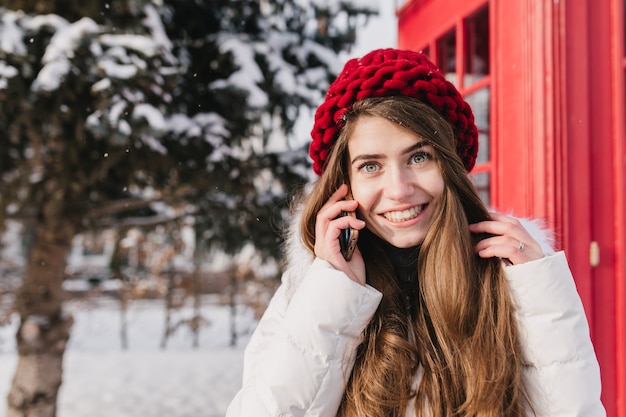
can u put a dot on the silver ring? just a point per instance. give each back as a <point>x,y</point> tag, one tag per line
<point>521,247</point>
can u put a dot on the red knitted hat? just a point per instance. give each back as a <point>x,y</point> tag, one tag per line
<point>392,72</point>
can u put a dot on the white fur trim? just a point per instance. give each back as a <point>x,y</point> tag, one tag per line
<point>539,232</point>
<point>298,257</point>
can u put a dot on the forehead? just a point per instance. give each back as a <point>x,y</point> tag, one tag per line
<point>371,133</point>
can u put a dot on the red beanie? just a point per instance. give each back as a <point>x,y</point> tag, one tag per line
<point>392,72</point>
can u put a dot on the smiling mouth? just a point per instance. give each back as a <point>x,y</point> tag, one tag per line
<point>404,215</point>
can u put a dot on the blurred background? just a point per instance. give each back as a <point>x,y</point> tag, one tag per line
<point>149,153</point>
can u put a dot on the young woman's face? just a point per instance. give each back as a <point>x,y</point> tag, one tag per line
<point>395,178</point>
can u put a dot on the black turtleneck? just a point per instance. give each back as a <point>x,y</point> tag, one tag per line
<point>404,261</point>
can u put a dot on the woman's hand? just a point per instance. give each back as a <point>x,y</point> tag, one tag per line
<point>511,241</point>
<point>328,226</point>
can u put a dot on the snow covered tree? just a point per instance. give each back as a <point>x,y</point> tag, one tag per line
<point>257,64</point>
<point>130,112</point>
<point>60,171</point>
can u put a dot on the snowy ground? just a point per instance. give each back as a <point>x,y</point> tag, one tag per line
<point>103,380</point>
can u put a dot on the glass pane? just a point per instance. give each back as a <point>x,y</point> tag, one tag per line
<point>476,46</point>
<point>446,55</point>
<point>479,102</point>
<point>482,183</point>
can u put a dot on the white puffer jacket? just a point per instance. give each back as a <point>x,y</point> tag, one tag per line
<point>302,351</point>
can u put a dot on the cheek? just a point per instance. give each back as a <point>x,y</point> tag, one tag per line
<point>438,186</point>
<point>364,195</point>
<point>434,183</point>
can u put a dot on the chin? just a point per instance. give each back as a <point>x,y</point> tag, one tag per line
<point>400,238</point>
<point>405,243</point>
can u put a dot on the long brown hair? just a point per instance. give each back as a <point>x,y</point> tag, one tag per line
<point>462,331</point>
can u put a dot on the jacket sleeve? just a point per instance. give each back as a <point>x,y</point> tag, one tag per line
<point>562,369</point>
<point>302,351</point>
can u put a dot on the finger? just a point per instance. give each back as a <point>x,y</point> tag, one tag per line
<point>500,246</point>
<point>333,213</point>
<point>336,204</point>
<point>344,222</point>
<point>498,227</point>
<point>339,194</point>
<point>506,247</point>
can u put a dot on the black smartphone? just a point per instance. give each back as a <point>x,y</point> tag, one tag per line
<point>348,237</point>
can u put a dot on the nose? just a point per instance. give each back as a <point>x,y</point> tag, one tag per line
<point>399,184</point>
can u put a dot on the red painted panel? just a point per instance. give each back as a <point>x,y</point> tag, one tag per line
<point>577,148</point>
<point>606,192</point>
<point>511,110</point>
<point>618,51</point>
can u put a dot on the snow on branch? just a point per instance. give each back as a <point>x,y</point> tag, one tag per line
<point>60,50</point>
<point>248,75</point>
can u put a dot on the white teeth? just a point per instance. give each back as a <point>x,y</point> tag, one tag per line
<point>402,216</point>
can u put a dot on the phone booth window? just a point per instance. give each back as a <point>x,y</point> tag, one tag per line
<point>472,78</point>
<point>446,56</point>
<point>462,52</point>
<point>477,47</point>
<point>477,92</point>
<point>479,100</point>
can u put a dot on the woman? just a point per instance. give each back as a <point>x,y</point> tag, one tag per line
<point>444,309</point>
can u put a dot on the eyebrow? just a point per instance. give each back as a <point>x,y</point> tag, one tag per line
<point>408,150</point>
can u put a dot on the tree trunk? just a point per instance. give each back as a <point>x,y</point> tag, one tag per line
<point>197,306</point>
<point>44,329</point>
<point>234,288</point>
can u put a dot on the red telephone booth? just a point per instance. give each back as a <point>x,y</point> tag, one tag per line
<point>546,81</point>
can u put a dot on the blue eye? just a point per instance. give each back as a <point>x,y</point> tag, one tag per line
<point>369,167</point>
<point>420,157</point>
